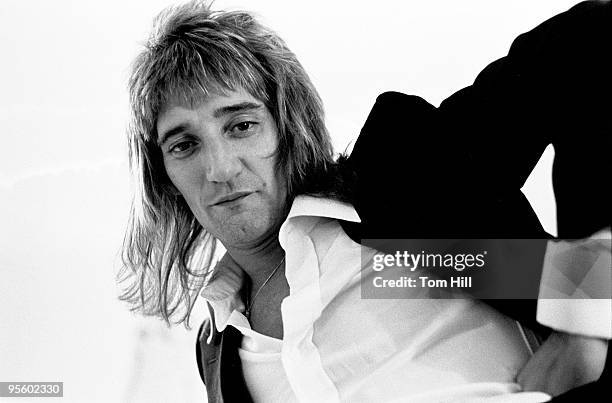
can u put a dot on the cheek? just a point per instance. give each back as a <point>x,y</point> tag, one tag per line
<point>270,161</point>
<point>272,174</point>
<point>278,187</point>
<point>280,177</point>
<point>182,177</point>
<point>173,175</point>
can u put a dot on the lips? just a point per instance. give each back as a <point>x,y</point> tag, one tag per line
<point>231,198</point>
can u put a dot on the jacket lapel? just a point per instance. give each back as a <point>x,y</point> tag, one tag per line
<point>219,364</point>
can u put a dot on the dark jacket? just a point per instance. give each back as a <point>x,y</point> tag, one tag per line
<point>456,171</point>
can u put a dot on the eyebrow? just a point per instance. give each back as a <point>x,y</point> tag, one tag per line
<point>174,131</point>
<point>239,107</point>
<point>223,111</point>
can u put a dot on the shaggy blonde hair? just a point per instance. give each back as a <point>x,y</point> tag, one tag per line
<point>192,52</point>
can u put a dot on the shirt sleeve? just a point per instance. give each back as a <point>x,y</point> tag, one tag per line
<point>576,286</point>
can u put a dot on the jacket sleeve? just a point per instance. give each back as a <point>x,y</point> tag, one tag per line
<point>456,171</point>
<point>554,86</point>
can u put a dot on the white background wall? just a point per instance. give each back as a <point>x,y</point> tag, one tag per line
<point>64,189</point>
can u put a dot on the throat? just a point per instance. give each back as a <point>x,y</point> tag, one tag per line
<point>266,286</point>
<point>264,306</point>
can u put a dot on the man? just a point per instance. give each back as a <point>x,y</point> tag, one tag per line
<point>227,132</point>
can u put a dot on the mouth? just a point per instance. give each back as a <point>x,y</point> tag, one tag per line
<point>231,198</point>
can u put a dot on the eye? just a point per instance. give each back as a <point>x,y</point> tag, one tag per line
<point>244,129</point>
<point>182,148</point>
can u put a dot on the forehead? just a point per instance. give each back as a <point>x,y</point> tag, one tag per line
<point>213,106</point>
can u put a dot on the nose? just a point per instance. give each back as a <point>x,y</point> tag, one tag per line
<point>221,162</point>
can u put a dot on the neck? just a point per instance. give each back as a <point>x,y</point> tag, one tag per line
<point>258,262</point>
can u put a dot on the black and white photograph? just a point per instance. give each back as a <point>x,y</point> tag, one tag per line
<point>323,201</point>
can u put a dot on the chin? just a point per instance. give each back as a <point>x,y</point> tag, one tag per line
<point>251,232</point>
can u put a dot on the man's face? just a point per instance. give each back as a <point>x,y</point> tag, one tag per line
<point>221,156</point>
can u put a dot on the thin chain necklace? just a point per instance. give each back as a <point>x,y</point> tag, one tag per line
<point>252,301</point>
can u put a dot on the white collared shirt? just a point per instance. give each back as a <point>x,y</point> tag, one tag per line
<point>339,347</point>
